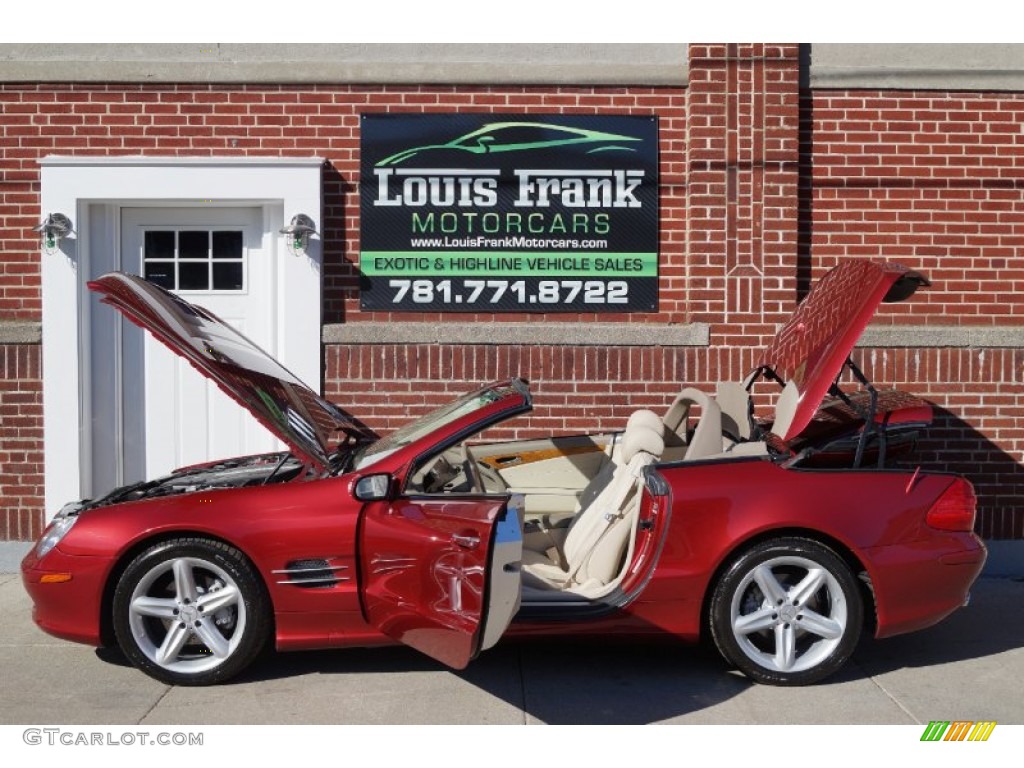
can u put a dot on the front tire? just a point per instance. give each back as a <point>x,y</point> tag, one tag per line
<point>787,612</point>
<point>191,611</point>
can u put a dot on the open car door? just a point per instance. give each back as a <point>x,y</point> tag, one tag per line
<point>441,574</point>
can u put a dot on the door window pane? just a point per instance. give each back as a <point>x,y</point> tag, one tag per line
<point>227,245</point>
<point>159,245</point>
<point>193,245</point>
<point>193,276</point>
<point>195,259</point>
<point>161,273</point>
<point>227,276</point>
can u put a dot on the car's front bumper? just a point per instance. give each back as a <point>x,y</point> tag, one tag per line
<point>67,609</point>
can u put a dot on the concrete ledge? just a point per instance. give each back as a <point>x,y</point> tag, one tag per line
<point>966,337</point>
<point>526,334</point>
<point>923,66</point>
<point>349,63</point>
<point>12,332</point>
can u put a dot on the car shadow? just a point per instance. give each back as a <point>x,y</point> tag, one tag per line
<point>990,625</point>
<point>620,683</point>
<point>597,681</point>
<point>952,444</point>
<point>585,682</point>
<point>340,276</point>
<point>113,656</point>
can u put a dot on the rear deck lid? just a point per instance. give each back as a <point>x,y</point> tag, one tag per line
<point>811,349</point>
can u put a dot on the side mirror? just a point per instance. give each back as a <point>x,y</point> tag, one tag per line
<point>484,143</point>
<point>372,487</point>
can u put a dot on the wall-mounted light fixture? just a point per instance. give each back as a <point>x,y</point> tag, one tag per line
<point>298,233</point>
<point>54,228</point>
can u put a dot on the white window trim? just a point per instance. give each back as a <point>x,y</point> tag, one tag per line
<point>283,186</point>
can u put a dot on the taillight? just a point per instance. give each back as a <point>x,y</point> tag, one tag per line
<point>955,508</point>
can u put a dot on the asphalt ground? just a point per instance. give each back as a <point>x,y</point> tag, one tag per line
<point>969,667</point>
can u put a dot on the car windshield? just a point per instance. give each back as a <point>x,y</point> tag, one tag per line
<point>432,421</point>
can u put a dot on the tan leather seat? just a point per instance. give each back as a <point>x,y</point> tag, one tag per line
<point>707,437</point>
<point>607,471</point>
<point>591,554</point>
<point>734,401</point>
<point>785,409</point>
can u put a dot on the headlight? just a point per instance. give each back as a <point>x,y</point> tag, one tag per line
<point>57,529</point>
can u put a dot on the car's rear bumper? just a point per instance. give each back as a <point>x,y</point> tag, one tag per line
<point>66,609</point>
<point>918,584</point>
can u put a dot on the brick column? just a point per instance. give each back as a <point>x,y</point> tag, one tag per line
<point>21,442</point>
<point>743,153</point>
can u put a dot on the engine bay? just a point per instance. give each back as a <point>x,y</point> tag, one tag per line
<point>264,469</point>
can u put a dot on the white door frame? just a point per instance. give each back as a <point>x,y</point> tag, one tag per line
<point>75,185</point>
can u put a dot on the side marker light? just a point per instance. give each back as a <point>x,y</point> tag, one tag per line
<point>54,578</point>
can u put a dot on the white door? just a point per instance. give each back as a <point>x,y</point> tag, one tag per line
<point>219,259</point>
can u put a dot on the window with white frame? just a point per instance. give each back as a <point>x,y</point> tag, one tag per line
<point>195,260</point>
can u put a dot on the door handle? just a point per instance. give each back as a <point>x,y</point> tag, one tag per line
<point>466,540</point>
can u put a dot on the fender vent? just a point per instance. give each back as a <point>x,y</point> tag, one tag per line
<point>311,574</point>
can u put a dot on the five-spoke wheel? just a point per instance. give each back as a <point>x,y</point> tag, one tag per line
<point>787,612</point>
<point>191,612</point>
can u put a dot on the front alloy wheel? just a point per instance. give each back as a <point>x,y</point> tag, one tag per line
<point>787,612</point>
<point>191,612</point>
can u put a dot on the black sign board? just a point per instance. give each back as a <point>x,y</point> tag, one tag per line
<point>509,213</point>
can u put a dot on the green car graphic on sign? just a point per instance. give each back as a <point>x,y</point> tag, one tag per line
<point>518,137</point>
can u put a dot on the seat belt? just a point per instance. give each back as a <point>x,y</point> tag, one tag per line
<point>612,517</point>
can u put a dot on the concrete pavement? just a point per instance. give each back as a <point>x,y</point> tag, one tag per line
<point>969,667</point>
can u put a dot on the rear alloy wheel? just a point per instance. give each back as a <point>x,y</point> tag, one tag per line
<point>191,612</point>
<point>787,612</point>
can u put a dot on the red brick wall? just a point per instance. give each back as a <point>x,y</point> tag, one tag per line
<point>935,180</point>
<point>742,188</point>
<point>762,186</point>
<point>931,179</point>
<point>21,442</point>
<point>575,388</point>
<point>729,165</point>
<point>38,120</point>
<point>979,421</point>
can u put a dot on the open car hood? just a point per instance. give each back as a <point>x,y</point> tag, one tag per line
<point>283,404</point>
<point>811,349</point>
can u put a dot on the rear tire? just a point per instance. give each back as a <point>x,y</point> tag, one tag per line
<point>787,612</point>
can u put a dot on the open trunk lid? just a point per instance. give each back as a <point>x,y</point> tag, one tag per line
<point>811,349</point>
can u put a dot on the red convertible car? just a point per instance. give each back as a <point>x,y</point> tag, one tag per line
<point>778,516</point>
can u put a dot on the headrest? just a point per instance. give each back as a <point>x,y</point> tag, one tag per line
<point>640,438</point>
<point>647,418</point>
<point>680,409</point>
